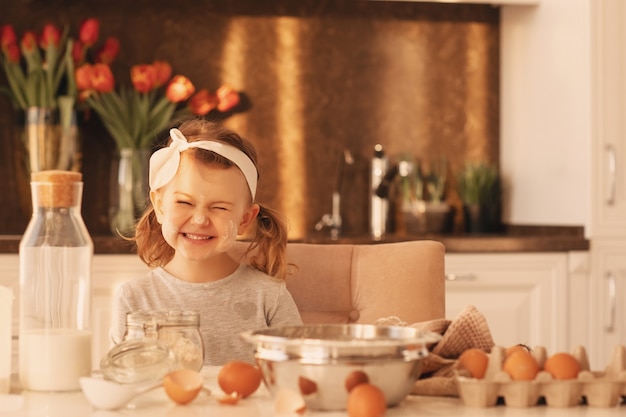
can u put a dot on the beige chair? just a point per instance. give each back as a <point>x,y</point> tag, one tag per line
<point>345,283</point>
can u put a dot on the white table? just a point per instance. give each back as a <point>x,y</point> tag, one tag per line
<point>157,404</point>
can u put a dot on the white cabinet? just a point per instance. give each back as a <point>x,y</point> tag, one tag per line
<point>608,206</point>
<point>530,298</point>
<point>608,121</point>
<point>608,292</point>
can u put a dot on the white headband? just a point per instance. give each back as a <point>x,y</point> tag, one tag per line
<point>164,162</point>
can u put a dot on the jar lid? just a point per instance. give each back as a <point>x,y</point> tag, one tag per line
<point>137,361</point>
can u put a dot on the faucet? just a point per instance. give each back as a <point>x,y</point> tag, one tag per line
<point>332,220</point>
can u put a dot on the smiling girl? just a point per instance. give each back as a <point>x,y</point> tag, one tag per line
<point>202,189</point>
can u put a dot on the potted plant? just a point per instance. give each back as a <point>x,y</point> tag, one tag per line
<point>480,190</point>
<point>424,206</point>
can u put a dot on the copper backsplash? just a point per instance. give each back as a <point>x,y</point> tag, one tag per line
<point>320,76</point>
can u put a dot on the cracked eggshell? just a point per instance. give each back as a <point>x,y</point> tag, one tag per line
<point>288,402</point>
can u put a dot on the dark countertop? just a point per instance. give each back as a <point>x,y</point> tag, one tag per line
<point>513,239</point>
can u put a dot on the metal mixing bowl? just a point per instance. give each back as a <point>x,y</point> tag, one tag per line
<point>325,356</point>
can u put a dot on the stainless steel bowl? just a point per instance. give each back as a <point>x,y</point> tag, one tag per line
<point>325,356</point>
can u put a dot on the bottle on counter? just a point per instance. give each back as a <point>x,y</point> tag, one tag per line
<point>55,254</point>
<point>378,205</point>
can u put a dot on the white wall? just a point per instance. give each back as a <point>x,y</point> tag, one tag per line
<point>545,153</point>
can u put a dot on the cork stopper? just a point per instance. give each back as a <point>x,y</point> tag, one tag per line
<point>56,188</point>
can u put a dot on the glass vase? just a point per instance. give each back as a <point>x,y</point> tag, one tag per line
<point>129,189</point>
<point>46,142</point>
<point>50,144</point>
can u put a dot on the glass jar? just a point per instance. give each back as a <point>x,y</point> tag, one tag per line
<point>55,256</point>
<point>180,330</point>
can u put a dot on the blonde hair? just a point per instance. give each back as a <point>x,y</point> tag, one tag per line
<point>270,238</point>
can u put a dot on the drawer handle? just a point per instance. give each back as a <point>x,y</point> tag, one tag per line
<point>460,277</point>
<point>612,161</point>
<point>610,328</point>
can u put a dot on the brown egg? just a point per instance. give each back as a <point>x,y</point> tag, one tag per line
<point>366,400</point>
<point>474,361</point>
<point>562,365</point>
<point>521,366</point>
<point>355,378</point>
<point>239,377</point>
<point>515,348</point>
<point>307,386</point>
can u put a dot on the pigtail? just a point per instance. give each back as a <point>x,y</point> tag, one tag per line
<point>269,244</point>
<point>152,248</point>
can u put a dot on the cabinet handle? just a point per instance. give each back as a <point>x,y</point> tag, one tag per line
<point>610,150</point>
<point>610,276</point>
<point>460,277</point>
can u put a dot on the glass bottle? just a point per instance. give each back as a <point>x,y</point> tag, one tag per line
<point>55,254</point>
<point>378,205</point>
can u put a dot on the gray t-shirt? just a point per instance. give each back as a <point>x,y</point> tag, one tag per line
<point>246,300</point>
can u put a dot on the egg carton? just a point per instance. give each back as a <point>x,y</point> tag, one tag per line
<point>594,388</point>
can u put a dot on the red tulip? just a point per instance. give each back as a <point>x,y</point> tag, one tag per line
<point>89,31</point>
<point>83,77</point>
<point>102,79</point>
<point>164,72</point>
<point>78,51</point>
<point>50,36</point>
<point>179,89</point>
<point>13,53</point>
<point>29,42</point>
<point>7,36</point>
<point>202,102</point>
<point>109,50</point>
<point>143,77</point>
<point>228,98</point>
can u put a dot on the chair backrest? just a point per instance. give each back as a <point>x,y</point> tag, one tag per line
<point>345,283</point>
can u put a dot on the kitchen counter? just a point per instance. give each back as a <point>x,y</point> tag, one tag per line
<point>156,403</point>
<point>513,239</point>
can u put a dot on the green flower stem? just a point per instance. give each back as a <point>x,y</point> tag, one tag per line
<point>131,118</point>
<point>16,81</point>
<point>111,121</point>
<point>69,68</point>
<point>67,120</point>
<point>66,110</point>
<point>49,76</point>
